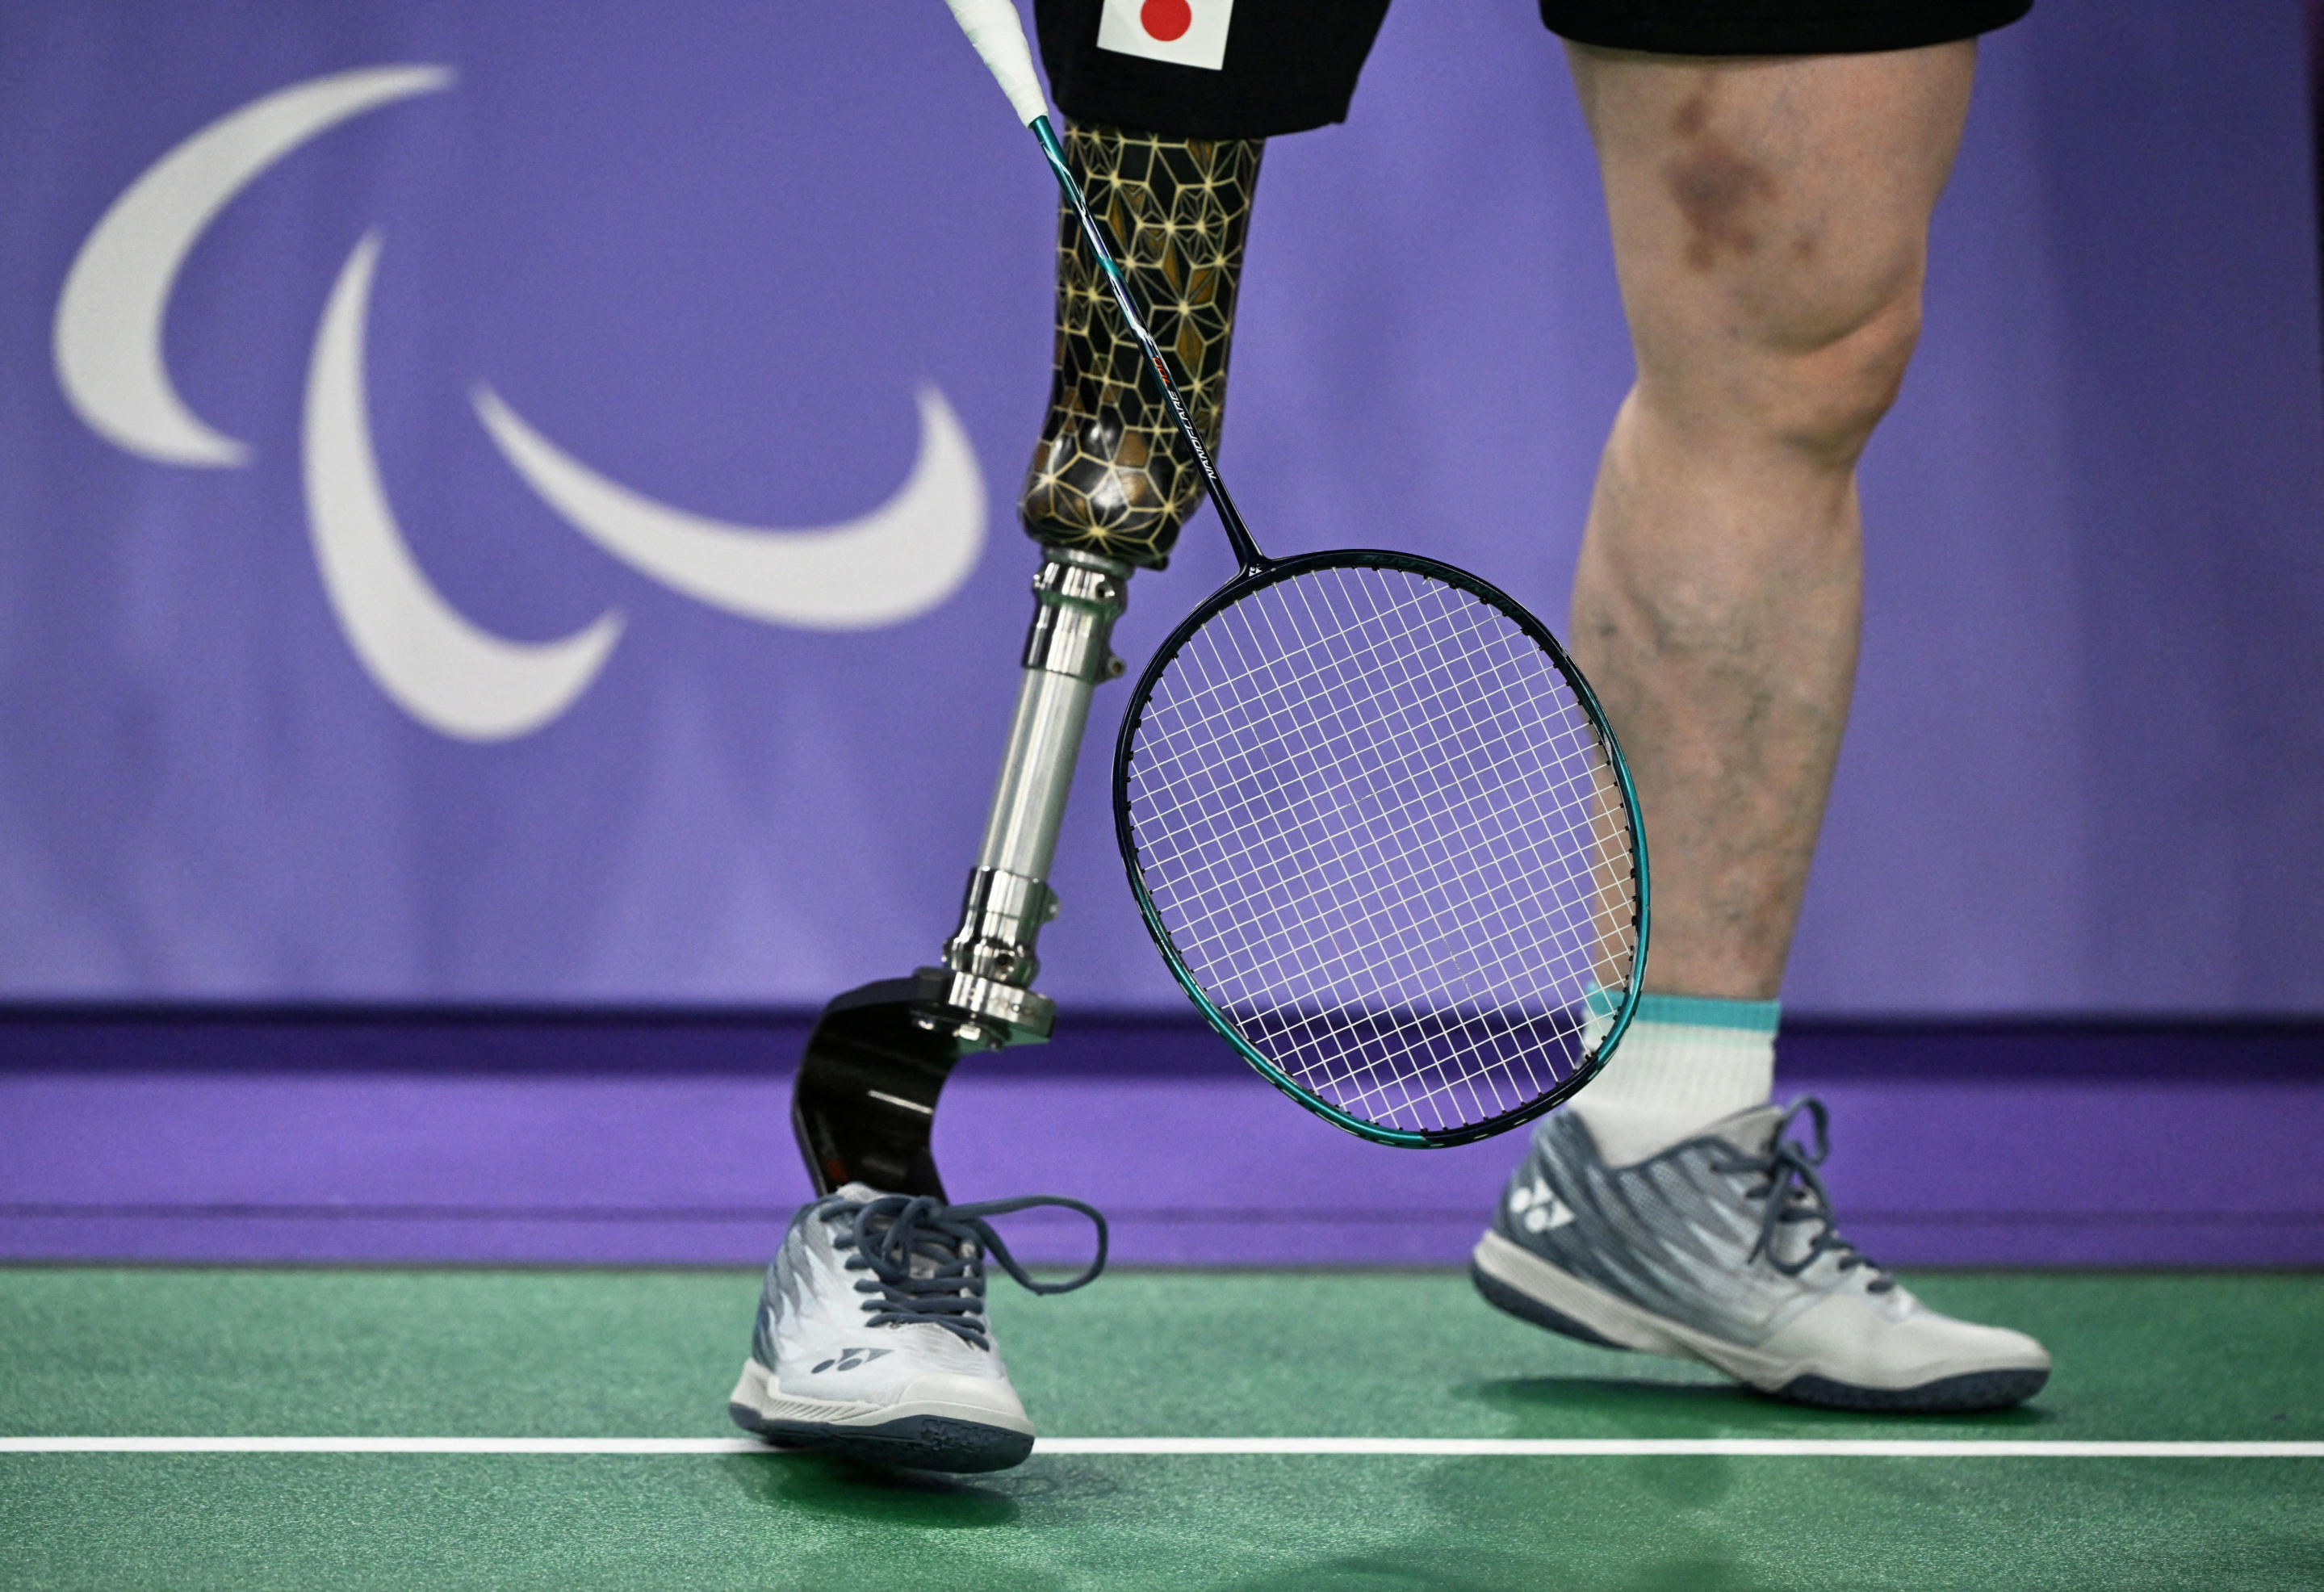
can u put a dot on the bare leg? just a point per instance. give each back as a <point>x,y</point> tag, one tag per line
<point>1770,222</point>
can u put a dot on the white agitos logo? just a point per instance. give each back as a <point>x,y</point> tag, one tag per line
<point>1184,33</point>
<point>900,560</point>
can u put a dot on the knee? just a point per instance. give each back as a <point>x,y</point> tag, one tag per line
<point>1822,401</point>
<point>1804,373</point>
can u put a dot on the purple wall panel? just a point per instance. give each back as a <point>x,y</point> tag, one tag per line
<point>711,250</point>
<point>1211,1171</point>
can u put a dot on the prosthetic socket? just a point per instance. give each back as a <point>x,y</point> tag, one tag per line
<point>1111,474</point>
<point>1110,487</point>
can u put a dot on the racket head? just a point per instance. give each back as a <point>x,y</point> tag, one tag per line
<point>1380,832</point>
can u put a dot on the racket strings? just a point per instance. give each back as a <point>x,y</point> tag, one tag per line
<point>1569,742</point>
<point>1523,783</point>
<point>1383,837</point>
<point>1422,749</point>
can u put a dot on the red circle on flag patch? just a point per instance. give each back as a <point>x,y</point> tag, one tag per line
<point>1166,19</point>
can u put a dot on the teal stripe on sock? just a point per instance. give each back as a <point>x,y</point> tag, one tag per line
<point>1706,1012</point>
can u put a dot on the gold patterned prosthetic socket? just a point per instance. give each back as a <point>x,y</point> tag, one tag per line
<point>1112,475</point>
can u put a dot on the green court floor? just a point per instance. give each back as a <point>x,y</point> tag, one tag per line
<point>600,1354</point>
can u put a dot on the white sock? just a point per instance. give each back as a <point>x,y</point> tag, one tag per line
<point>1684,1062</point>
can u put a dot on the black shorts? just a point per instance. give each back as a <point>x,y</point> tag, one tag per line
<point>1293,64</point>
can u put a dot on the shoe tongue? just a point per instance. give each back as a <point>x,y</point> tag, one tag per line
<point>1751,1129</point>
<point>920,1265</point>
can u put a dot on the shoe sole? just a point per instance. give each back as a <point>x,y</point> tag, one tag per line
<point>955,1437</point>
<point>1512,1278</point>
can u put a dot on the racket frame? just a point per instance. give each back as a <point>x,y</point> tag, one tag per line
<point>1256,576</point>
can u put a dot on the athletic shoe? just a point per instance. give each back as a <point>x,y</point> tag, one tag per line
<point>871,1340</point>
<point>1723,1249</point>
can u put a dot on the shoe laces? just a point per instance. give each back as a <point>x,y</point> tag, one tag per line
<point>925,1258</point>
<point>1794,1194</point>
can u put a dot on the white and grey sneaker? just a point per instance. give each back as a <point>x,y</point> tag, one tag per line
<point>871,1340</point>
<point>1724,1249</point>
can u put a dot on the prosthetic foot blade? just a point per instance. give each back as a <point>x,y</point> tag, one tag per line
<point>865,1100</point>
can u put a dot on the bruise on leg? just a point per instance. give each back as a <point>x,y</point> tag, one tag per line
<point>1717,188</point>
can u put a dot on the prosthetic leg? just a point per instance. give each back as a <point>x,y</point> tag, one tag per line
<point>1109,485</point>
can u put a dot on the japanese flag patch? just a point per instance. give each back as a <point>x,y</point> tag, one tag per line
<point>1184,33</point>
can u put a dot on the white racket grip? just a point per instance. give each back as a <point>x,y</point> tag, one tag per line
<point>991,25</point>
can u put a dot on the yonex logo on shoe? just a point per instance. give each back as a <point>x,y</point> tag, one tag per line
<point>1536,1209</point>
<point>849,1359</point>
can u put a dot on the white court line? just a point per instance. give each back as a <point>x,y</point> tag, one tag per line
<point>1430,1448</point>
<point>1739,1448</point>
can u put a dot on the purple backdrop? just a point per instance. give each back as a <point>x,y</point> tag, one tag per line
<point>712,251</point>
<point>667,1139</point>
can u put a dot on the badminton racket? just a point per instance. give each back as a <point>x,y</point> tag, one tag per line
<point>1371,813</point>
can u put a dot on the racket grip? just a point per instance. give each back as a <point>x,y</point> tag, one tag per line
<point>993,26</point>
